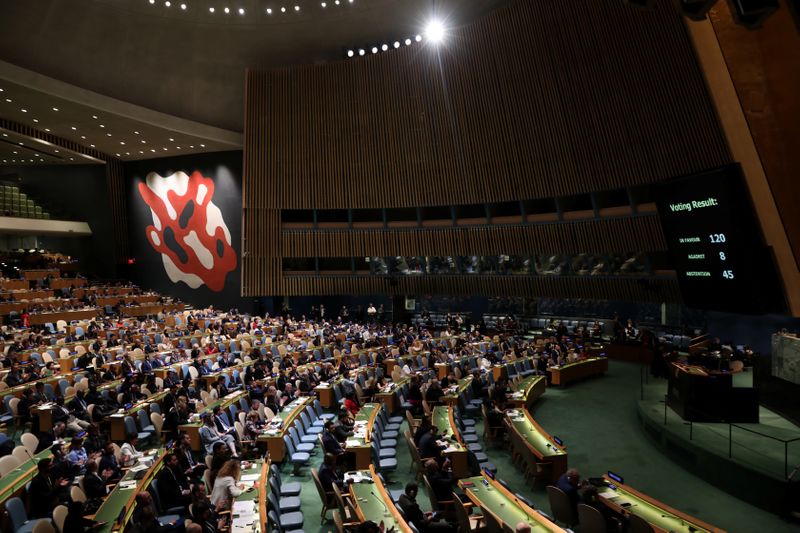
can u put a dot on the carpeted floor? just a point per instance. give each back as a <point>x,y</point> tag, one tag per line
<point>597,421</point>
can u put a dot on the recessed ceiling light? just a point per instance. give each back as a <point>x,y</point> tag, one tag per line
<point>55,109</point>
<point>47,130</point>
<point>297,8</point>
<point>408,42</point>
<point>83,137</point>
<point>171,139</point>
<point>74,128</point>
<point>102,125</point>
<point>91,145</point>
<point>350,53</point>
<point>191,146</point>
<point>269,11</point>
<point>165,148</point>
<point>283,10</point>
<point>168,3</point>
<point>56,151</point>
<point>324,4</point>
<point>94,117</point>
<point>241,11</point>
<point>227,10</point>
<point>122,143</point>
<point>210,9</point>
<point>152,149</point>
<point>183,7</point>
<point>117,155</point>
<point>152,1</point>
<point>144,142</point>
<point>8,100</point>
<point>36,120</point>
<point>397,44</point>
<point>24,110</point>
<point>136,132</point>
<point>385,47</point>
<point>202,146</point>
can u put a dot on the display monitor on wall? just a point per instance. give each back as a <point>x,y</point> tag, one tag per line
<point>716,244</point>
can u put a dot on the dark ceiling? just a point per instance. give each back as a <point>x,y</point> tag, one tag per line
<point>190,63</point>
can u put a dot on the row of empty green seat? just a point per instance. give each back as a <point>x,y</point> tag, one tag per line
<point>15,203</point>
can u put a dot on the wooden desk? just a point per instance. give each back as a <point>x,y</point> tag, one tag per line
<point>452,397</point>
<point>15,284</point>
<point>443,418</point>
<point>149,309</point>
<point>661,516</point>
<point>507,509</point>
<point>373,502</point>
<point>360,444</point>
<point>117,509</point>
<point>40,274</point>
<point>193,427</point>
<point>327,397</point>
<point>389,397</point>
<point>579,370</point>
<point>535,444</point>
<point>65,283</point>
<point>13,483</point>
<point>273,439</point>
<point>80,314</point>
<point>528,391</point>
<point>259,493</point>
<point>117,420</point>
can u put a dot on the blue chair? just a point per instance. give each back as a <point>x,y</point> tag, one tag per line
<point>234,412</point>
<point>6,417</point>
<point>386,463</point>
<point>62,386</point>
<point>19,517</point>
<point>243,403</point>
<point>286,504</point>
<point>303,443</point>
<point>165,515</point>
<point>130,427</point>
<point>144,422</point>
<point>297,458</point>
<point>291,488</point>
<point>320,414</point>
<point>275,520</point>
<point>377,434</point>
<point>155,408</point>
<point>309,428</point>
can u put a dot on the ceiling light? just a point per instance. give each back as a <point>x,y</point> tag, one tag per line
<point>183,7</point>
<point>8,100</point>
<point>47,130</point>
<point>374,49</point>
<point>350,53</point>
<point>283,10</point>
<point>168,3</point>
<point>102,126</point>
<point>361,51</point>
<point>191,146</point>
<point>323,4</point>
<point>24,110</point>
<point>108,135</point>
<point>408,42</point>
<point>152,1</point>
<point>91,145</point>
<point>435,31</point>
<point>144,142</point>
<point>122,143</point>
<point>55,109</point>
<point>241,11</point>
<point>136,132</point>
<point>36,120</point>
<point>385,47</point>
<point>94,117</point>
<point>56,151</point>
<point>297,8</point>
<point>202,146</point>
<point>227,10</point>
<point>269,11</point>
<point>210,9</point>
<point>397,44</point>
<point>117,155</point>
<point>171,139</point>
<point>83,137</point>
<point>418,38</point>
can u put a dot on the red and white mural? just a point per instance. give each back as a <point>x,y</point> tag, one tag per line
<point>188,229</point>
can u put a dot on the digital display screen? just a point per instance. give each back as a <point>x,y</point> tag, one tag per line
<point>616,477</point>
<point>716,245</point>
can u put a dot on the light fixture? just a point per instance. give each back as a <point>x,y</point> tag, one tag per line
<point>374,49</point>
<point>397,44</point>
<point>269,11</point>
<point>241,11</point>
<point>408,42</point>
<point>183,7</point>
<point>55,109</point>
<point>385,47</point>
<point>210,9</point>
<point>435,31</point>
<point>418,38</point>
<point>350,53</point>
<point>227,10</point>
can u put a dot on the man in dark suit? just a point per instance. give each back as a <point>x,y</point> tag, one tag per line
<point>328,475</point>
<point>428,448</point>
<point>173,486</point>
<point>108,461</point>
<point>78,406</point>
<point>94,483</point>
<point>44,492</point>
<point>329,441</point>
<point>424,522</point>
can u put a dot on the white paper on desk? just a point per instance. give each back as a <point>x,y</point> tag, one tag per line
<point>241,529</point>
<point>139,467</point>
<point>244,507</point>
<point>243,522</point>
<point>127,485</point>
<point>250,477</point>
<point>353,443</point>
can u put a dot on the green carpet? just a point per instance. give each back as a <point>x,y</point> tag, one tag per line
<point>597,421</point>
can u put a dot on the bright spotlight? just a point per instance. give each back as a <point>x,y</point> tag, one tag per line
<point>435,31</point>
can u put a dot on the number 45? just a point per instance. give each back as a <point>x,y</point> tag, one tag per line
<point>727,274</point>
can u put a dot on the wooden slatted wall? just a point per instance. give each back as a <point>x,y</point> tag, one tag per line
<point>538,99</point>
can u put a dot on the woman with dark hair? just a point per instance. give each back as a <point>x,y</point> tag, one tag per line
<point>75,520</point>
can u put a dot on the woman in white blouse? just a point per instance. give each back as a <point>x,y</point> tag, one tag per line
<point>226,485</point>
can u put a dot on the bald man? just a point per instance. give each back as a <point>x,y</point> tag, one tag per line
<point>522,527</point>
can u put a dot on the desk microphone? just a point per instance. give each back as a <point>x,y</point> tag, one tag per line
<point>380,500</point>
<point>29,455</point>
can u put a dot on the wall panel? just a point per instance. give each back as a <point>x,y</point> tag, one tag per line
<point>535,100</point>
